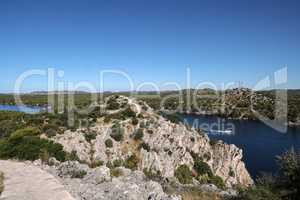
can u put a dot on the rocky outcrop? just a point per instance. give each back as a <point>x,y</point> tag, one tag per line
<point>161,147</point>
<point>98,184</point>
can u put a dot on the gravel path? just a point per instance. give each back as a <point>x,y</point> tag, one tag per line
<point>27,182</point>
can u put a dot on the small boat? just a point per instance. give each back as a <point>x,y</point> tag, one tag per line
<point>227,131</point>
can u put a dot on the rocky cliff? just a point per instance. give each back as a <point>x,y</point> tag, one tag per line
<point>131,133</point>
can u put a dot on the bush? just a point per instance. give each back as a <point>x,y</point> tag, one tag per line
<point>7,127</point>
<point>50,133</point>
<point>117,163</point>
<point>217,181</point>
<point>145,146</point>
<point>109,143</point>
<point>23,145</point>
<point>139,134</point>
<point>201,167</point>
<point>72,156</point>
<point>29,131</point>
<point>154,176</point>
<point>131,162</point>
<point>231,172</point>
<point>116,172</point>
<point>78,174</point>
<point>107,119</point>
<point>95,164</point>
<point>112,104</point>
<point>134,121</point>
<point>90,136</point>
<point>257,193</point>
<point>184,174</point>
<point>117,132</point>
<point>128,113</point>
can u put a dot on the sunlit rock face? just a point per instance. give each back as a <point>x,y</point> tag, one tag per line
<point>162,147</point>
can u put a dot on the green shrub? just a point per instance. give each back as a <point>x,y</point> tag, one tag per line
<point>24,145</point>
<point>90,136</point>
<point>143,124</point>
<point>134,121</point>
<point>29,131</point>
<point>139,134</point>
<point>154,176</point>
<point>107,118</point>
<point>131,162</point>
<point>8,126</point>
<point>257,193</point>
<point>128,112</point>
<point>44,156</point>
<point>72,156</point>
<point>201,167</point>
<point>109,165</point>
<point>109,143</point>
<point>78,174</point>
<point>112,104</point>
<point>145,146</point>
<point>115,172</point>
<point>96,163</point>
<point>118,163</point>
<point>207,156</point>
<point>117,132</point>
<point>217,181</point>
<point>184,174</point>
<point>231,172</point>
<point>50,133</point>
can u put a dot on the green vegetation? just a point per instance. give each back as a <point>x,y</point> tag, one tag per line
<point>115,172</point>
<point>78,174</point>
<point>90,136</point>
<point>154,176</point>
<point>231,173</point>
<point>131,162</point>
<point>109,143</point>
<point>238,102</point>
<point>134,121</point>
<point>72,156</point>
<point>117,132</point>
<point>184,174</point>
<point>96,163</point>
<point>138,134</point>
<point>112,103</point>
<point>145,146</point>
<point>118,163</point>
<point>204,172</point>
<point>25,144</point>
<point>127,113</point>
<point>201,167</point>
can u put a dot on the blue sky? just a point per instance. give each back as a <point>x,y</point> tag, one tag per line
<point>220,41</point>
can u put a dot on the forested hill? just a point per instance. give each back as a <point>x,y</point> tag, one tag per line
<point>233,103</point>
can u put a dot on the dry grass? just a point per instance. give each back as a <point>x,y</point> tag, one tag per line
<point>1,182</point>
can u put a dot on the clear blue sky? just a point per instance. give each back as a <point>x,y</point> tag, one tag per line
<point>221,41</point>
